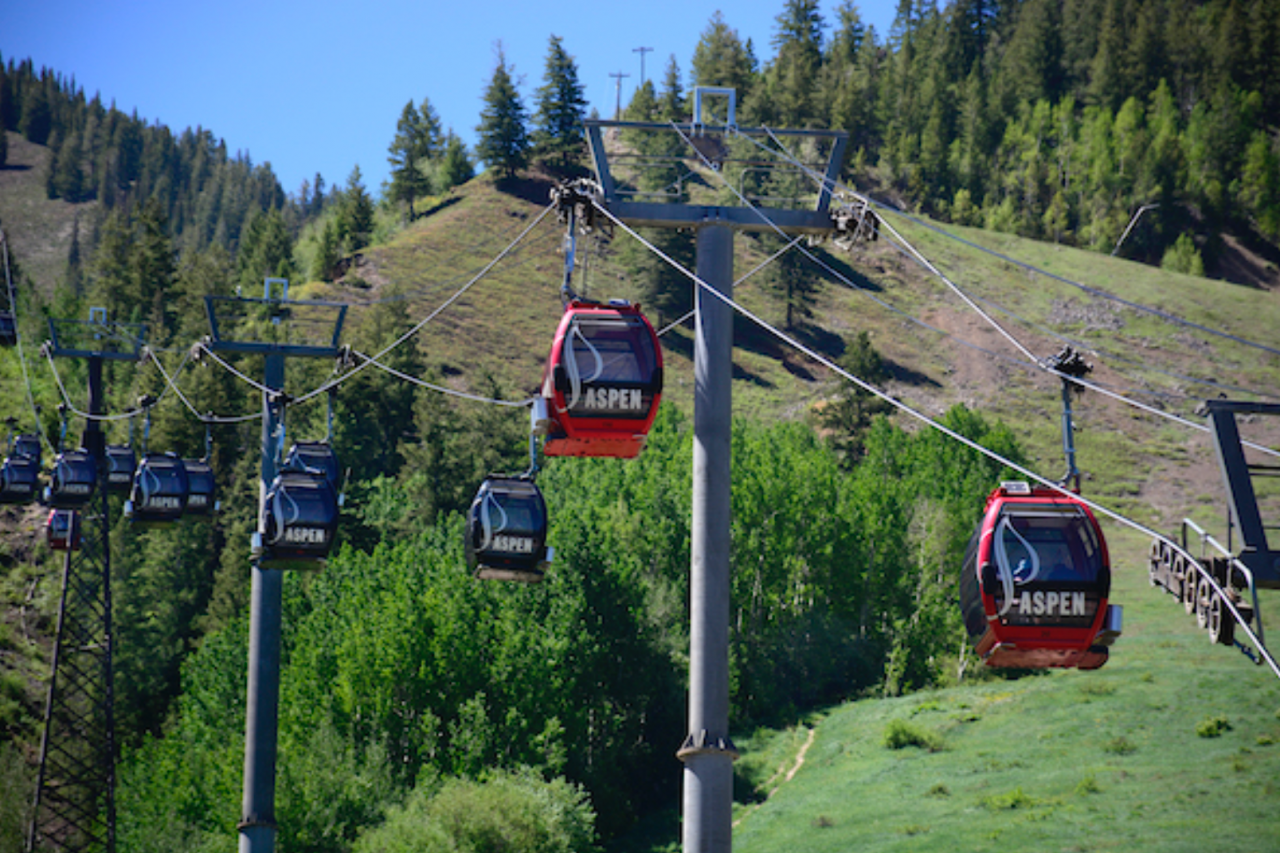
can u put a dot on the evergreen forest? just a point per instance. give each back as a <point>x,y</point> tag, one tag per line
<point>424,710</point>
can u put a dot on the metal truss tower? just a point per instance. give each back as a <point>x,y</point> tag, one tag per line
<point>74,806</point>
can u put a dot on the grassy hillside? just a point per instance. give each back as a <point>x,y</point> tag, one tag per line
<point>39,230</point>
<point>1174,745</point>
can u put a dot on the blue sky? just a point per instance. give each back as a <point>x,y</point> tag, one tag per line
<point>318,86</point>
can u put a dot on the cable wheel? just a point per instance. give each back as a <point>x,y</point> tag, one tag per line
<point>1155,562</point>
<point>1222,625</point>
<point>1205,598</point>
<point>1176,576</point>
<point>1190,585</point>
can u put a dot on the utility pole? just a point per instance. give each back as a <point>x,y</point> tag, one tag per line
<point>617,108</point>
<point>642,51</point>
<point>74,808</point>
<point>708,752</point>
<point>262,702</point>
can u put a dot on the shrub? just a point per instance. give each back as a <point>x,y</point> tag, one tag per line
<point>1213,726</point>
<point>1015,799</point>
<point>1120,746</point>
<point>1088,785</point>
<point>900,734</point>
<point>1183,257</point>
<point>506,811</point>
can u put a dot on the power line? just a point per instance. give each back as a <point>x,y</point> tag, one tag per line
<point>758,267</point>
<point>375,359</point>
<point>205,418</point>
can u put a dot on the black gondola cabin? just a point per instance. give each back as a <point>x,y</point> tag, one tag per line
<point>1035,581</point>
<point>602,383</point>
<point>75,473</point>
<point>159,491</point>
<point>202,498</point>
<point>507,531</point>
<point>317,456</point>
<point>8,329</point>
<point>121,462</point>
<point>28,446</point>
<point>19,479</point>
<point>298,521</point>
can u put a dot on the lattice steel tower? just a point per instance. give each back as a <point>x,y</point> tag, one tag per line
<point>74,806</point>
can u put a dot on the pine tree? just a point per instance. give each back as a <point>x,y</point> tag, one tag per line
<point>455,167</point>
<point>326,256</point>
<point>37,115</point>
<point>68,179</point>
<point>416,143</point>
<point>75,264</point>
<point>154,270</point>
<point>504,140</point>
<point>9,114</point>
<point>266,250</point>
<point>848,417</point>
<point>644,104</point>
<point>721,59</point>
<point>1032,65</point>
<point>671,104</point>
<point>355,214</point>
<point>791,79</point>
<point>561,105</point>
<point>318,199</point>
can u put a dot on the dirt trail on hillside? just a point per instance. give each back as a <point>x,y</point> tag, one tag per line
<point>790,774</point>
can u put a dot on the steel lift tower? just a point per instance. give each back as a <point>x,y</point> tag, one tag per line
<point>74,806</point>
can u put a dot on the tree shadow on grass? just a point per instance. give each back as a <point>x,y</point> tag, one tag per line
<point>840,264</point>
<point>908,376</point>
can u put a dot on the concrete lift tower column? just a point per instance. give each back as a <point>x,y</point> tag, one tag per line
<point>275,328</point>
<point>697,151</point>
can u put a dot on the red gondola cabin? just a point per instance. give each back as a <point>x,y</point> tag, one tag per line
<point>1036,576</point>
<point>62,530</point>
<point>602,382</point>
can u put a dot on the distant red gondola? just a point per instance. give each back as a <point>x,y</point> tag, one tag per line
<point>62,530</point>
<point>602,383</point>
<point>1036,576</point>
